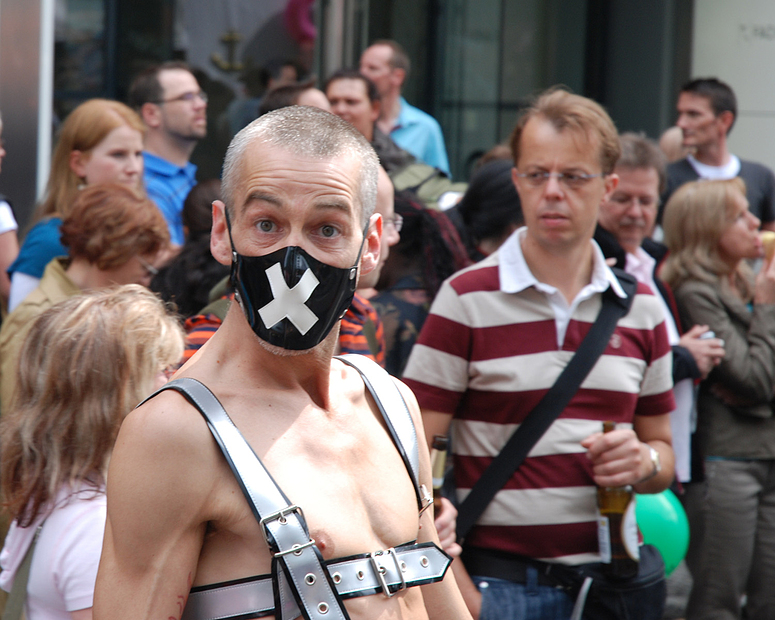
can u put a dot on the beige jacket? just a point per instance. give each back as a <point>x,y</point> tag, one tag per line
<point>54,287</point>
<point>735,403</point>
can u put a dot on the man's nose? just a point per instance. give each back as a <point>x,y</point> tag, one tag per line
<point>553,187</point>
<point>634,208</point>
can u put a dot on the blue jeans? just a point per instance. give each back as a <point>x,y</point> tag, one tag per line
<point>507,600</point>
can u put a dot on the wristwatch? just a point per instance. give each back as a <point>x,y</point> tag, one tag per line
<point>655,462</point>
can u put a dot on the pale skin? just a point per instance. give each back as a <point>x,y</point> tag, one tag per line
<point>176,516</point>
<point>560,224</point>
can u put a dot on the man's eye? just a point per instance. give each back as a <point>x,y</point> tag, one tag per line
<point>572,178</point>
<point>327,231</point>
<point>266,226</point>
<point>535,176</point>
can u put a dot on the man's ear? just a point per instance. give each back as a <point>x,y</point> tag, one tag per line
<point>151,114</point>
<point>376,109</point>
<point>398,75</point>
<point>220,242</point>
<point>370,253</point>
<point>726,118</point>
<point>611,183</point>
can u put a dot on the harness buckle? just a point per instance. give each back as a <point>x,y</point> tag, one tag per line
<point>381,570</point>
<point>295,549</point>
<point>427,498</point>
<point>280,517</point>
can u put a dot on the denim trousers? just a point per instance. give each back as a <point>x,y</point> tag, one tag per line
<point>507,600</point>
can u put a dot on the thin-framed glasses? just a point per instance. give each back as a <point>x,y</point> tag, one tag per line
<point>571,180</point>
<point>397,222</point>
<point>149,269</point>
<point>187,97</point>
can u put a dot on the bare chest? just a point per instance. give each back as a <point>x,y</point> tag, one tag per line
<point>346,475</point>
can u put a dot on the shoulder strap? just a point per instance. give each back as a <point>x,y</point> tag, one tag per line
<point>392,406</point>
<point>298,566</point>
<point>549,407</point>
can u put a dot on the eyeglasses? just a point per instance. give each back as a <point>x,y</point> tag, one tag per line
<point>149,269</point>
<point>396,222</point>
<point>625,200</point>
<point>570,180</point>
<point>187,97</point>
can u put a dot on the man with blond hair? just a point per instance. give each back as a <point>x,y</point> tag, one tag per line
<point>497,338</point>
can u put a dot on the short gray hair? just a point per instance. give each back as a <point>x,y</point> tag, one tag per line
<point>308,132</point>
<point>637,151</point>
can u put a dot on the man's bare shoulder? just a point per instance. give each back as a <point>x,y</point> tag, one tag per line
<point>166,434</point>
<point>166,418</point>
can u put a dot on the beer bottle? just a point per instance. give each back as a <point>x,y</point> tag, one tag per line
<point>438,467</point>
<point>617,529</point>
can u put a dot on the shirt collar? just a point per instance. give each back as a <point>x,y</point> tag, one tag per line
<point>515,276</point>
<point>161,166</point>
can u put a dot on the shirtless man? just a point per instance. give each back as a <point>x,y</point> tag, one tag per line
<point>300,182</point>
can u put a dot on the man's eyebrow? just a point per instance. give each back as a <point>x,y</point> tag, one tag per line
<point>325,203</point>
<point>333,203</point>
<point>263,197</point>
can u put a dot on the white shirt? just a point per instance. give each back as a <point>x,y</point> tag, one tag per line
<point>716,173</point>
<point>515,276</point>
<point>66,556</point>
<point>641,265</point>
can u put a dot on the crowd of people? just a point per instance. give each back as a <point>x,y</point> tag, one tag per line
<point>334,302</point>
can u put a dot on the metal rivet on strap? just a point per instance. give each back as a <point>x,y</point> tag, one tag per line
<point>403,567</point>
<point>309,578</point>
<point>337,577</point>
<point>424,562</point>
<point>360,575</point>
<point>323,608</point>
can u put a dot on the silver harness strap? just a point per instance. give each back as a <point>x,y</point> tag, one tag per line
<point>302,582</point>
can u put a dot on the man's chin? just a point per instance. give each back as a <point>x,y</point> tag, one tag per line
<point>281,352</point>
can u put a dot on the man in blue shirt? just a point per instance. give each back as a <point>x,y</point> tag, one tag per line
<point>173,107</point>
<point>386,64</point>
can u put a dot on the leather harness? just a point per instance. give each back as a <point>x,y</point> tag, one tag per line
<point>301,581</point>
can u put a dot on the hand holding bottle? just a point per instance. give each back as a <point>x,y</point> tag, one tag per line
<point>618,458</point>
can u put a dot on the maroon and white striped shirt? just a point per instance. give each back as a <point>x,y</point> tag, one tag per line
<point>487,357</point>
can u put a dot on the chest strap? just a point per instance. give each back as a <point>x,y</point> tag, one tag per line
<point>385,572</point>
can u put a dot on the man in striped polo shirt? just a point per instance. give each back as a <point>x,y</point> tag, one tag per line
<point>498,336</point>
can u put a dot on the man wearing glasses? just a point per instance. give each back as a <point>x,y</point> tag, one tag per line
<point>173,107</point>
<point>625,224</point>
<point>498,336</point>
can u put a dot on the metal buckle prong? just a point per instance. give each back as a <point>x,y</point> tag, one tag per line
<point>279,516</point>
<point>380,571</point>
<point>296,549</point>
<point>392,552</point>
<point>427,498</point>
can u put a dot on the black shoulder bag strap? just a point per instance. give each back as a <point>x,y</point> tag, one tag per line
<point>549,407</point>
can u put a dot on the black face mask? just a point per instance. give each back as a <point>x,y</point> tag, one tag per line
<point>290,299</point>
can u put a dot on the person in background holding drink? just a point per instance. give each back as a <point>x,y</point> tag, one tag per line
<point>711,233</point>
<point>497,337</point>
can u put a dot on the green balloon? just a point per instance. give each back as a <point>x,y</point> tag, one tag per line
<point>663,523</point>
